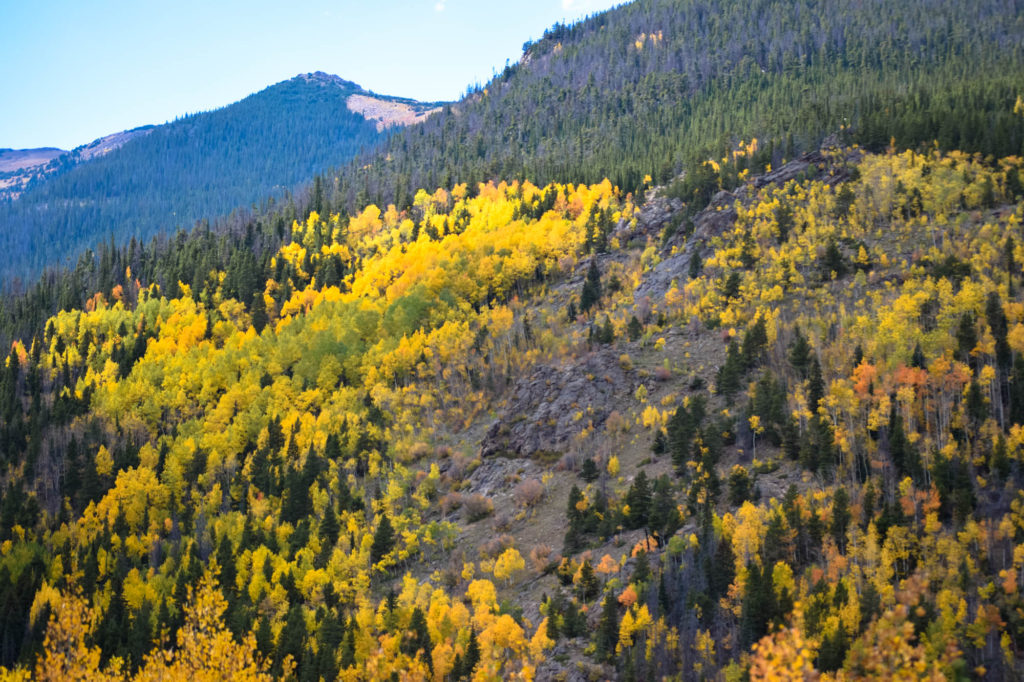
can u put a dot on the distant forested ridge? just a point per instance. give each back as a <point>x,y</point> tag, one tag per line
<point>200,166</point>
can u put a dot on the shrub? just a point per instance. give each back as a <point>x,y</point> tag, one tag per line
<point>616,423</point>
<point>459,466</point>
<point>496,546</point>
<point>529,492</point>
<point>478,507</point>
<point>419,450</point>
<point>502,522</point>
<point>541,559</point>
<point>451,502</point>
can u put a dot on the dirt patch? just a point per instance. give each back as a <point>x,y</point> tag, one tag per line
<point>387,113</point>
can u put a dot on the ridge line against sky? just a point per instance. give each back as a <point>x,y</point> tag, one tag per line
<point>78,71</point>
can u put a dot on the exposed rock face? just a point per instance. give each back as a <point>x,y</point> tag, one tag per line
<point>496,478</point>
<point>541,417</point>
<point>656,212</point>
<point>711,222</point>
<point>576,668</point>
<point>788,171</point>
<point>389,112</point>
<point>719,216</point>
<point>328,79</point>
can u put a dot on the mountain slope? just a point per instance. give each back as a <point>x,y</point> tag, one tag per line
<point>751,422</point>
<point>19,159</point>
<point>645,87</point>
<point>36,166</point>
<point>484,450</point>
<point>18,167</point>
<point>610,97</point>
<point>200,166</point>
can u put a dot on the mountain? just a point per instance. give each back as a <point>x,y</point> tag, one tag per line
<point>159,178</point>
<point>760,418</point>
<point>654,84</point>
<point>18,167</point>
<point>612,97</point>
<point>23,159</point>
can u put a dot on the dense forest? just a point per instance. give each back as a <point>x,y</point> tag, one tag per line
<point>518,399</point>
<point>655,84</point>
<point>200,166</point>
<point>644,89</point>
<point>812,446</point>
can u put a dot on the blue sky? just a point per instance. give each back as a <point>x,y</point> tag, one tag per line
<point>75,70</point>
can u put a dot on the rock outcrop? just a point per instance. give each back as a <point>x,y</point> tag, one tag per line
<point>553,404</point>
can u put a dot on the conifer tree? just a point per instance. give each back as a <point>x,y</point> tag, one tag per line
<point>815,385</point>
<point>731,287</point>
<point>754,341</point>
<point>574,623</point>
<point>329,528</point>
<point>696,265</point>
<point>417,640</point>
<point>570,312</point>
<point>348,646</point>
<point>834,262</point>
<point>608,629</point>
<point>665,519</point>
<point>758,604</point>
<point>292,640</point>
<point>589,471</point>
<point>840,517</point>
<point>660,444</point>
<point>383,540</point>
<point>588,582</point>
<point>800,353</point>
<point>902,452</point>
<point>265,637</point>
<point>574,533</point>
<point>591,294</point>
<point>634,330</point>
<point>226,562</point>
<point>472,656</point>
<point>639,500</point>
<point>1009,245</point>
<point>966,338</point>
<point>727,381</point>
<point>554,614</point>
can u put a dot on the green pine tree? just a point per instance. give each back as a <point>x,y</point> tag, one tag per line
<point>608,630</point>
<point>591,294</point>
<point>383,540</point>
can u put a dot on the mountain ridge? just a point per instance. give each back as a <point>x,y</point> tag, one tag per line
<point>16,159</point>
<point>85,190</point>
